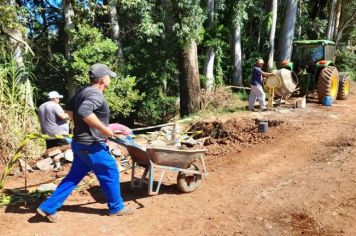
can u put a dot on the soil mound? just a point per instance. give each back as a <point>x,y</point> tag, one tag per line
<point>232,135</point>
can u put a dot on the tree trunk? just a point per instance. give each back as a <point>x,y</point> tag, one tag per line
<point>210,53</point>
<point>189,82</point>
<point>115,27</point>
<point>18,42</point>
<point>337,18</point>
<point>68,13</point>
<point>287,34</point>
<point>237,76</point>
<point>331,22</point>
<point>272,34</point>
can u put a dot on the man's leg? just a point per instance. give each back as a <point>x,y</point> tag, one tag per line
<point>106,170</point>
<point>75,175</point>
<point>261,96</point>
<point>251,99</point>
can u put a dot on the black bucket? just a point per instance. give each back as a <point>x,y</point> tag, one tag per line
<point>263,127</point>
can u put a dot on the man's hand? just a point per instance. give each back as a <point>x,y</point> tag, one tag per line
<point>107,132</point>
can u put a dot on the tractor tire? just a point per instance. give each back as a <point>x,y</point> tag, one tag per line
<point>344,86</point>
<point>328,83</point>
<point>188,182</point>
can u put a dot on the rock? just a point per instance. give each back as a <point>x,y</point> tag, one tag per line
<point>22,166</point>
<point>47,187</point>
<point>158,143</point>
<point>116,152</point>
<point>54,152</point>
<point>68,155</point>
<point>57,157</point>
<point>190,142</point>
<point>45,164</point>
<point>17,173</point>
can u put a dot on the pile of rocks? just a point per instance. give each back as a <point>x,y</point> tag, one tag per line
<point>54,158</point>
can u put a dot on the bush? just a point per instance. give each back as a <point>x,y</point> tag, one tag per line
<point>346,61</point>
<point>16,118</point>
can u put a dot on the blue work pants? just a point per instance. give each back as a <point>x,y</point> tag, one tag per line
<point>96,158</point>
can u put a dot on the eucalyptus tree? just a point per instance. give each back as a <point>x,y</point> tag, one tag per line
<point>272,33</point>
<point>332,20</point>
<point>239,15</point>
<point>68,14</point>
<point>115,27</point>
<point>210,51</point>
<point>287,32</point>
<point>347,20</point>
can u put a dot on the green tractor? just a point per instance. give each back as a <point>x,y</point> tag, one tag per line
<point>313,63</point>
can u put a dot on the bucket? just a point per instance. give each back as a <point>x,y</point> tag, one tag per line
<point>263,127</point>
<point>327,101</point>
<point>301,103</point>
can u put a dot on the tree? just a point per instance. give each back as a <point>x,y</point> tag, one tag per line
<point>68,13</point>
<point>188,29</point>
<point>332,19</point>
<point>272,34</point>
<point>115,27</point>
<point>12,28</point>
<point>210,52</point>
<point>239,14</point>
<point>348,16</point>
<point>287,33</point>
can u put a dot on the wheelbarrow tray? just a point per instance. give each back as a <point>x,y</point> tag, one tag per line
<point>173,157</point>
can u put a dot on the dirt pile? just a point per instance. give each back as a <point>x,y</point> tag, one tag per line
<point>233,135</point>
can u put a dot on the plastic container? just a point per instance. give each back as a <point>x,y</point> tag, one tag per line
<point>263,127</point>
<point>327,101</point>
<point>301,103</point>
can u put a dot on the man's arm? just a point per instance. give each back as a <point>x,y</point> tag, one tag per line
<point>267,74</point>
<point>70,114</point>
<point>64,116</point>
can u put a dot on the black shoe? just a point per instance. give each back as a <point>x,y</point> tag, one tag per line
<point>50,217</point>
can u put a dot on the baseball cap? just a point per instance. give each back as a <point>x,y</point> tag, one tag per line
<point>100,70</point>
<point>54,94</point>
<point>260,61</point>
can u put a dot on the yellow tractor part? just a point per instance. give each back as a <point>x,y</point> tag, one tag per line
<point>334,85</point>
<point>272,83</point>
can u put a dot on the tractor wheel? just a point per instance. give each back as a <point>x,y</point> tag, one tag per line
<point>188,182</point>
<point>344,86</point>
<point>328,83</point>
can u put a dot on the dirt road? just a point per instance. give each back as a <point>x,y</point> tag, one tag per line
<point>301,182</point>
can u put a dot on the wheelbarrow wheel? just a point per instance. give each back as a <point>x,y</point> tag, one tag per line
<point>188,182</point>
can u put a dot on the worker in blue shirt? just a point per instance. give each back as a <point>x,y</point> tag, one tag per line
<point>257,87</point>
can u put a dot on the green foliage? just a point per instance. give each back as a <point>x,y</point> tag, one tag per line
<point>189,22</point>
<point>158,109</point>
<point>122,97</point>
<point>346,62</point>
<point>89,47</point>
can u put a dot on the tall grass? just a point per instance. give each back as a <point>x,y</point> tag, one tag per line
<point>16,117</point>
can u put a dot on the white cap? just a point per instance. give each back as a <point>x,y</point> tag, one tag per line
<point>54,94</point>
<point>260,61</point>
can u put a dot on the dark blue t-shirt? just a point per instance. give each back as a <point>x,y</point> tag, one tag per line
<point>87,101</point>
<point>256,76</point>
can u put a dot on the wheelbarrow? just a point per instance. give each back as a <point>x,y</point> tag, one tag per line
<point>164,158</point>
